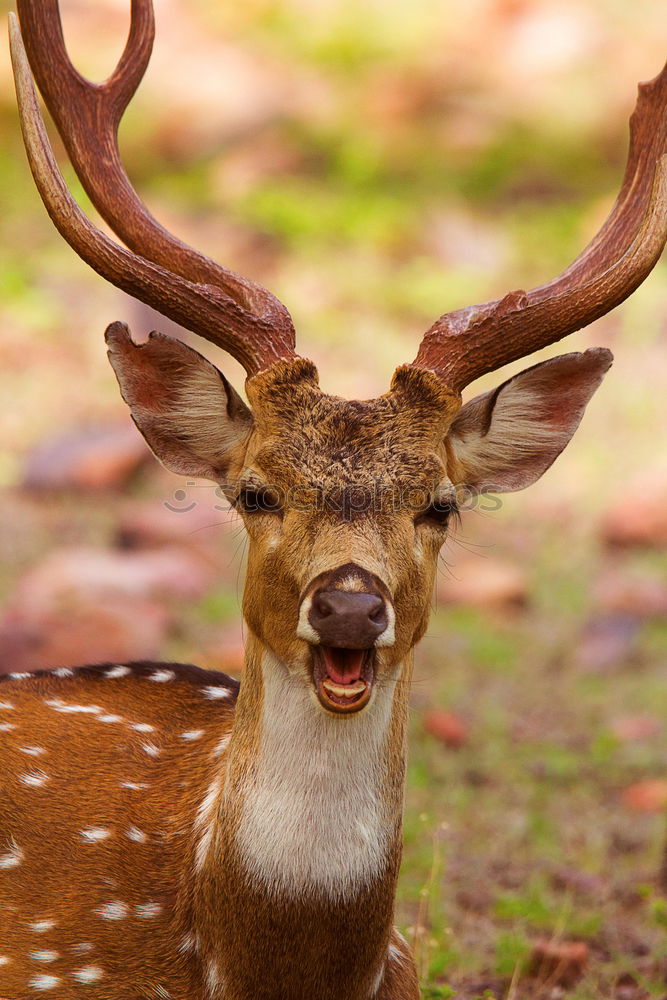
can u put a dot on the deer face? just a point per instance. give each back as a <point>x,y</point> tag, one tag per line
<point>346,504</point>
<point>335,496</point>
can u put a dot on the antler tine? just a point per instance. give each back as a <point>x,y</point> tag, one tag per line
<point>467,343</point>
<point>87,116</point>
<point>204,309</point>
<point>47,53</point>
<point>136,55</point>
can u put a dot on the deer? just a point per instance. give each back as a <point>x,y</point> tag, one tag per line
<point>166,832</point>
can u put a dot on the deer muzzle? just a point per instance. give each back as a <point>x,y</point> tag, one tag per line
<point>345,616</point>
<point>346,620</point>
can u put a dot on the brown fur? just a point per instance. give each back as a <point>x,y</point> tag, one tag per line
<point>224,933</point>
<point>64,878</point>
<point>269,947</point>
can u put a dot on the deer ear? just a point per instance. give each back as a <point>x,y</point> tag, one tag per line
<point>193,420</point>
<point>505,439</point>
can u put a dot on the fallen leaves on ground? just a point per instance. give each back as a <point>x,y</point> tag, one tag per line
<point>623,591</point>
<point>119,629</point>
<point>649,796</point>
<point>101,458</point>
<point>636,728</point>
<point>182,519</point>
<point>558,963</point>
<point>88,605</point>
<point>606,643</point>
<point>484,582</point>
<point>639,516</point>
<point>88,573</point>
<point>447,727</point>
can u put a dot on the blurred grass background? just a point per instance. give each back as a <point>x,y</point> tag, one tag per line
<point>376,164</point>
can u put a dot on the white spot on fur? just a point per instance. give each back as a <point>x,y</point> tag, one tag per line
<point>63,672</point>
<point>89,974</point>
<point>213,978</point>
<point>162,676</point>
<point>13,857</point>
<point>110,718</point>
<point>4,960</point>
<point>192,735</point>
<point>44,982</point>
<point>204,824</point>
<point>6,706</point>
<point>20,677</point>
<point>222,746</point>
<point>147,911</point>
<point>6,726</point>
<point>395,954</point>
<point>151,749</point>
<point>43,956</point>
<point>41,926</point>
<point>317,816</point>
<point>117,672</point>
<point>95,834</point>
<point>134,833</point>
<point>81,949</point>
<point>215,693</point>
<point>112,911</point>
<point>135,786</point>
<point>190,942</point>
<point>142,727</point>
<point>35,779</point>
<point>60,706</point>
<point>377,983</point>
<point>33,751</point>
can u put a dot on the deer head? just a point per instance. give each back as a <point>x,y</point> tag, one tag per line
<point>346,503</point>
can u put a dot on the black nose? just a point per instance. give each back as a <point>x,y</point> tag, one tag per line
<point>347,620</point>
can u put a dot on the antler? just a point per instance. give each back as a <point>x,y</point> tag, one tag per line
<point>467,343</point>
<point>225,308</point>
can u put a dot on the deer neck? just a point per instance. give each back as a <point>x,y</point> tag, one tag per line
<point>302,855</point>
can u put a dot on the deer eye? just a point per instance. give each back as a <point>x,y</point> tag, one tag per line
<point>258,501</point>
<point>439,513</point>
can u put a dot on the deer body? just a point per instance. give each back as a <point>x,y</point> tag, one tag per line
<point>163,834</point>
<point>108,904</point>
<point>140,780</point>
<point>247,847</point>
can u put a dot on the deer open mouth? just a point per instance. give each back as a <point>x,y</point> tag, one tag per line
<point>343,677</point>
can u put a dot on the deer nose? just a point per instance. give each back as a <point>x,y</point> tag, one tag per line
<point>348,620</point>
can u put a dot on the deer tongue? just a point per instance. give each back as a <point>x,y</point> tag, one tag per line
<point>343,666</point>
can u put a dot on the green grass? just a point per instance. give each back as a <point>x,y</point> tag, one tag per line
<point>536,842</point>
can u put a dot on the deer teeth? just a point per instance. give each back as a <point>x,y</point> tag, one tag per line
<point>344,691</point>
